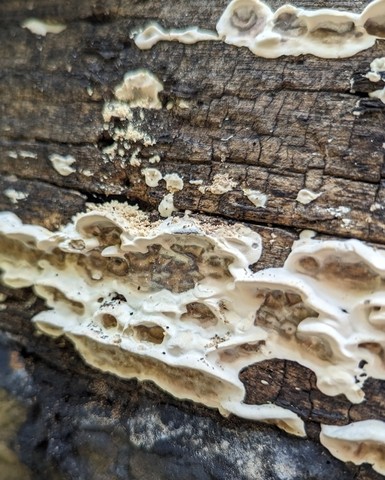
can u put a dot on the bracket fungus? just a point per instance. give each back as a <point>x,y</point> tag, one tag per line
<point>325,33</point>
<point>176,302</point>
<point>358,442</point>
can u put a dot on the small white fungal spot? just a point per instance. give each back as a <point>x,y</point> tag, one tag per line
<point>154,159</point>
<point>376,68</point>
<point>174,182</point>
<point>135,161</point>
<point>25,154</point>
<point>306,196</point>
<point>222,183</point>
<point>166,206</point>
<point>256,197</point>
<point>40,27</point>
<point>62,163</point>
<point>140,88</point>
<point>14,196</point>
<point>152,176</point>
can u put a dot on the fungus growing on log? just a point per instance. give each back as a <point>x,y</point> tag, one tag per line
<point>325,33</point>
<point>175,302</point>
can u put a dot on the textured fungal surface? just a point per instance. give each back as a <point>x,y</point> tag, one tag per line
<point>359,442</point>
<point>175,302</point>
<point>325,33</point>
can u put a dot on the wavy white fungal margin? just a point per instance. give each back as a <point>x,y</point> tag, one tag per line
<point>154,33</point>
<point>326,33</point>
<point>41,27</point>
<point>176,302</point>
<point>358,442</point>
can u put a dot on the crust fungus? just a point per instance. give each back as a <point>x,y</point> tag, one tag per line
<point>140,89</point>
<point>154,33</point>
<point>373,19</point>
<point>175,302</point>
<point>359,442</point>
<point>243,21</point>
<point>41,27</point>
<point>325,33</point>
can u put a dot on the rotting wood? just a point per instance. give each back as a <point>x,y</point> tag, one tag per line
<point>275,126</point>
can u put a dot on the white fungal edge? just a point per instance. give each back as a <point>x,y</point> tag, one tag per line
<point>325,33</point>
<point>62,163</point>
<point>154,33</point>
<point>376,68</point>
<point>41,27</point>
<point>140,88</point>
<point>358,442</point>
<point>306,196</point>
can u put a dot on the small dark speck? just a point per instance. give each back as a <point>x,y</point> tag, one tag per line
<point>344,310</point>
<point>362,364</point>
<point>139,287</point>
<point>164,353</point>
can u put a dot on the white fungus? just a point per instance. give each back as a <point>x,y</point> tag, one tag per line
<point>41,27</point>
<point>154,33</point>
<point>178,296</point>
<point>358,442</point>
<point>62,163</point>
<point>306,196</point>
<point>325,33</point>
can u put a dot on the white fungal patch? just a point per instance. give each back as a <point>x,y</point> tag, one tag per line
<point>358,442</point>
<point>325,33</point>
<point>14,196</point>
<point>40,27</point>
<point>176,302</point>
<point>154,33</point>
<point>376,74</point>
<point>256,197</point>
<point>140,89</point>
<point>174,182</point>
<point>222,183</point>
<point>154,159</point>
<point>306,196</point>
<point>156,301</point>
<point>152,176</point>
<point>26,154</point>
<point>166,207</point>
<point>62,163</point>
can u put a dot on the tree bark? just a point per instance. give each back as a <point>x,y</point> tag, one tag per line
<point>275,126</point>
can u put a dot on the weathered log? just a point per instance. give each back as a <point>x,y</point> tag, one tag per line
<point>276,126</point>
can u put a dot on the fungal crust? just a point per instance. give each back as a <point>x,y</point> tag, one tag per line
<point>176,302</point>
<point>325,33</point>
<point>358,442</point>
